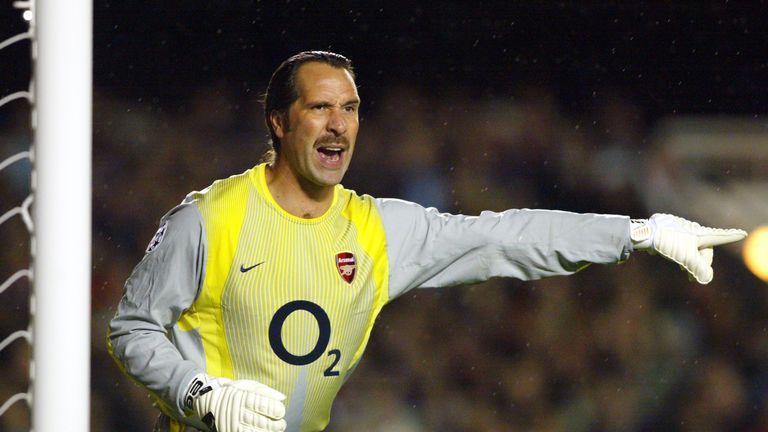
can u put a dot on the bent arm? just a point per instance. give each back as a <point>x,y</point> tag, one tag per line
<point>160,288</point>
<point>431,249</point>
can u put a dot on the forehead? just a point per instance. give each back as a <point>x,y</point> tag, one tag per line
<point>319,80</point>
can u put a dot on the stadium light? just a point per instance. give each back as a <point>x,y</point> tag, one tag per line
<point>755,252</point>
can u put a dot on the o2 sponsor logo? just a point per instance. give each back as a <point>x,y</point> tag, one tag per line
<point>324,325</point>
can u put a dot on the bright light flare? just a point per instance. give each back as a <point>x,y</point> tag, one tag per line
<point>755,252</point>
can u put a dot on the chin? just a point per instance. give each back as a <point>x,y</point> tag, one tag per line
<point>331,181</point>
<point>334,180</point>
<point>330,178</point>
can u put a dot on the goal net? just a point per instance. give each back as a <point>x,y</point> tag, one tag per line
<point>57,213</point>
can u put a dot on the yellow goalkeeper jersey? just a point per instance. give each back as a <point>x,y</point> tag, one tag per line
<point>287,301</point>
<point>234,286</point>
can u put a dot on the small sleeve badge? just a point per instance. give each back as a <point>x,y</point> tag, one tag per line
<point>158,237</point>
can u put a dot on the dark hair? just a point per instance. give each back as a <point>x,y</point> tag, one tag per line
<point>282,91</point>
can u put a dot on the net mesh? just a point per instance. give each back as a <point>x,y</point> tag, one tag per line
<point>21,211</point>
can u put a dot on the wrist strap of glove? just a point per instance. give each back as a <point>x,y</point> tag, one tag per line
<point>641,233</point>
<point>200,385</point>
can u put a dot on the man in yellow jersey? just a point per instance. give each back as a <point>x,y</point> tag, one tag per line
<point>256,297</point>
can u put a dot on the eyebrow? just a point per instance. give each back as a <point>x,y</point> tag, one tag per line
<point>355,101</point>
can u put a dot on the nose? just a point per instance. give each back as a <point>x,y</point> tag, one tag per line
<point>337,125</point>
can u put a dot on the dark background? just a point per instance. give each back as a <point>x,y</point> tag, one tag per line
<point>673,57</point>
<point>682,56</point>
<point>632,347</point>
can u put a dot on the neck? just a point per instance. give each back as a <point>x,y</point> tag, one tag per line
<point>299,198</point>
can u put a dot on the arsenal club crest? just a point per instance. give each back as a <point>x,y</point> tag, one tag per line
<point>346,264</point>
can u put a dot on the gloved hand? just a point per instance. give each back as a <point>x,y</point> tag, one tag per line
<point>236,406</point>
<point>682,241</point>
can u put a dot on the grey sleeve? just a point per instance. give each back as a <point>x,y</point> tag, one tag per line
<point>427,249</point>
<point>160,288</point>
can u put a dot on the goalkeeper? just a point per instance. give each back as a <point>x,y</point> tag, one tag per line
<point>255,299</point>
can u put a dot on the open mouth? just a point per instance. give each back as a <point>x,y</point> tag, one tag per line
<point>330,154</point>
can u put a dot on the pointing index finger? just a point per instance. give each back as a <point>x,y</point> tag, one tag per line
<point>709,237</point>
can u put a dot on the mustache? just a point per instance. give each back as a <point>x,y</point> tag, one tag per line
<point>332,139</point>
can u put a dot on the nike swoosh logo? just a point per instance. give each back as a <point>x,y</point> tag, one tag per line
<point>245,269</point>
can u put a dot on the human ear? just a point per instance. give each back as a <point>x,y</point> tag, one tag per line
<point>279,123</point>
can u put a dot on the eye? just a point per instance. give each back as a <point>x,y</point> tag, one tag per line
<point>350,108</point>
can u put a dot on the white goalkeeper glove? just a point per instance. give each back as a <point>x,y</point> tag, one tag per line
<point>235,406</point>
<point>682,241</point>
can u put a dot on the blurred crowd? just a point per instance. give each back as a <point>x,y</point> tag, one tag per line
<point>630,347</point>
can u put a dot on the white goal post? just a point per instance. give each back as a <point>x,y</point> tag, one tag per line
<point>61,183</point>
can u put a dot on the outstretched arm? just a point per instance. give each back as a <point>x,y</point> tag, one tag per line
<point>431,249</point>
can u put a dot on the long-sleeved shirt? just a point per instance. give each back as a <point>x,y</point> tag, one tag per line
<point>234,286</point>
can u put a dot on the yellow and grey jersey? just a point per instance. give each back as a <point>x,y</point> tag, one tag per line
<point>234,286</point>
